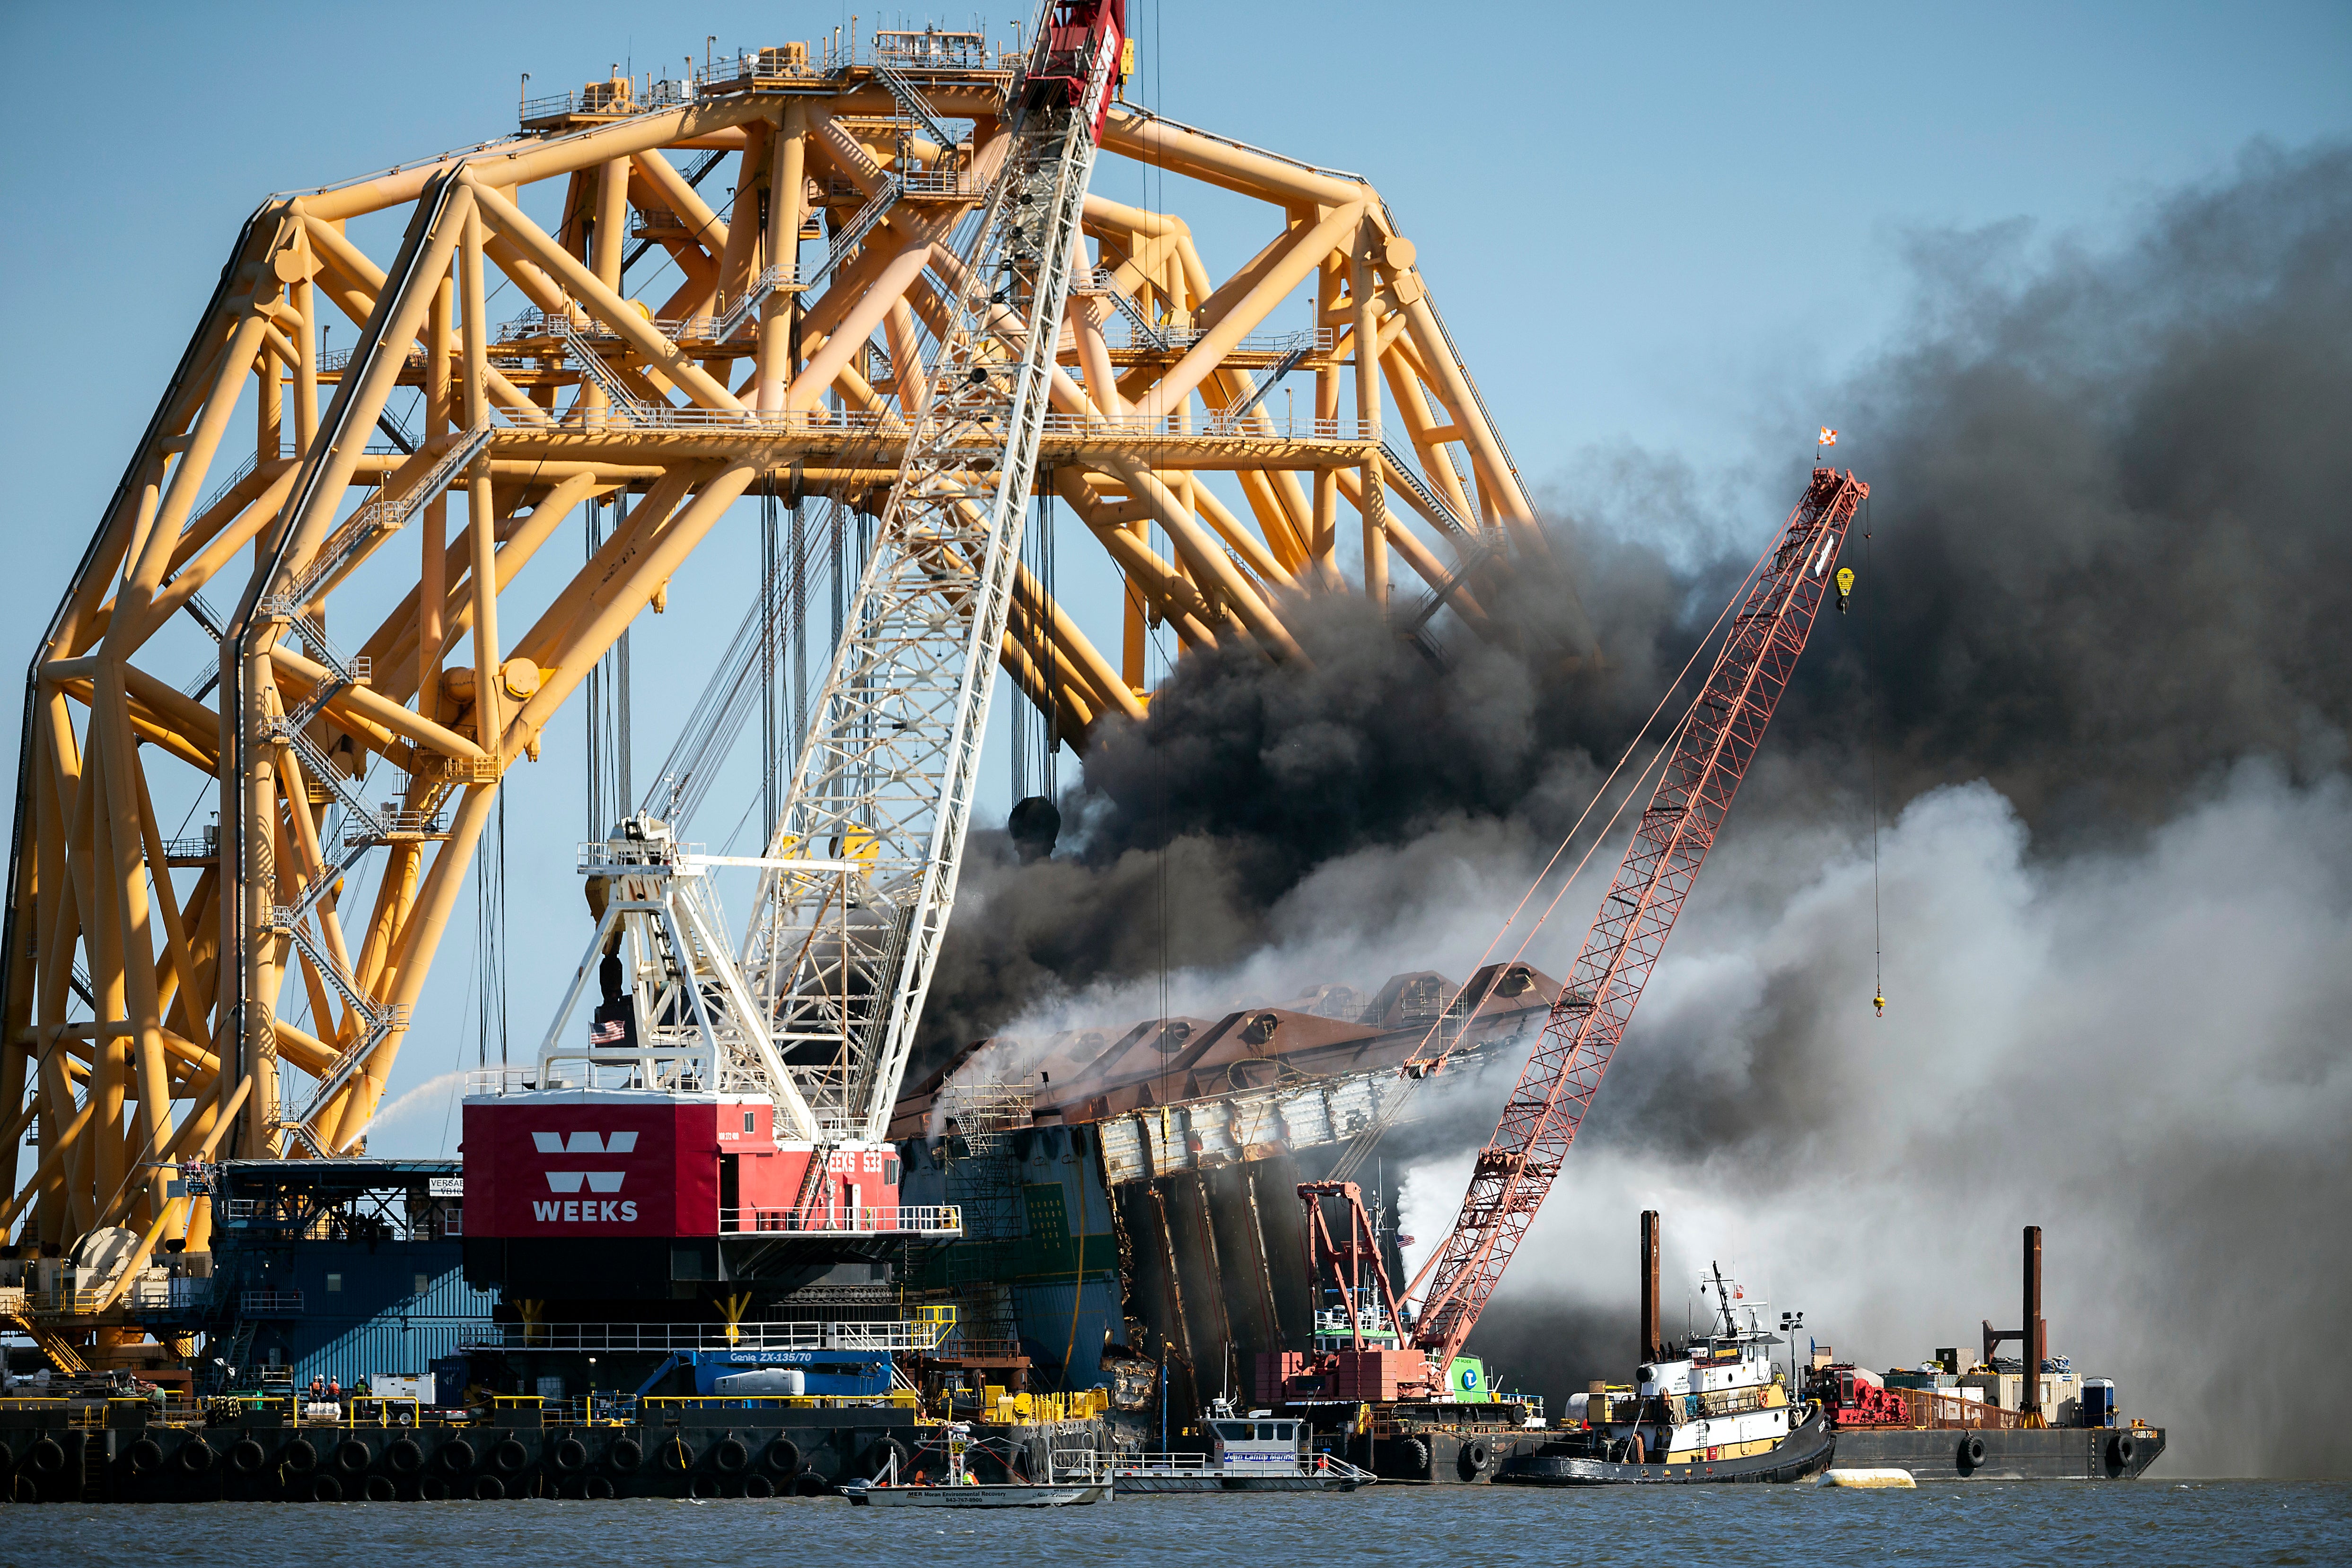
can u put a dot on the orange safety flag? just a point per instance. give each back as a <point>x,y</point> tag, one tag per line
<point>1829,436</point>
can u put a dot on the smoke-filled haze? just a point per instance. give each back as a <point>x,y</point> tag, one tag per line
<point>2099,654</point>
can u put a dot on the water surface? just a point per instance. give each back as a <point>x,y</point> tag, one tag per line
<point>2215,1524</point>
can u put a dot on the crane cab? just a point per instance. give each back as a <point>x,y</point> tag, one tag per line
<point>1078,34</point>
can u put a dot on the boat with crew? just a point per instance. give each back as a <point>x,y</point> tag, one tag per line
<point>1254,1450</point>
<point>1073,1476</point>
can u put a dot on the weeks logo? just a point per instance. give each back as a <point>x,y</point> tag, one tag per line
<point>591,1210</point>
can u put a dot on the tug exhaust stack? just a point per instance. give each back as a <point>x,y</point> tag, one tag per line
<point>2037,1332</point>
<point>1651,1349</point>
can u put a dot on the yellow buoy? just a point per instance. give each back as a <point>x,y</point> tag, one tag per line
<point>1867,1480</point>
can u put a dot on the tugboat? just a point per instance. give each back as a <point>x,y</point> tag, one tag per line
<point>1720,1412</point>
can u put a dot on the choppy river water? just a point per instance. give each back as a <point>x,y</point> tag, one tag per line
<point>2151,1523</point>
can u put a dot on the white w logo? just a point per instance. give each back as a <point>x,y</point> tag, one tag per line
<point>584,1142</point>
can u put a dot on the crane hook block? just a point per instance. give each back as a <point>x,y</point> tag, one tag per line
<point>1846,586</point>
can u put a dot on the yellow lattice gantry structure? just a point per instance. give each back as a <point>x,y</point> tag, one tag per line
<point>350,568</point>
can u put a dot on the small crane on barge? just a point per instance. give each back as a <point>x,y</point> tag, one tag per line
<point>1711,750</point>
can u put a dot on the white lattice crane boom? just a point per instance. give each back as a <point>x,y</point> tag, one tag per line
<point>843,958</point>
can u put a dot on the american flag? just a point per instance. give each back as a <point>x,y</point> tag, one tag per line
<point>611,1031</point>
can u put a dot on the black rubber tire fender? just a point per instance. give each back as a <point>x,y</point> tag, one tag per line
<point>352,1455</point>
<point>24,1488</point>
<point>457,1456</point>
<point>676,1454</point>
<point>299,1455</point>
<point>759,1486</point>
<point>1416,1456</point>
<point>808,1483</point>
<point>729,1454</point>
<point>379,1488</point>
<point>47,1456</point>
<point>599,1488</point>
<point>146,1454</point>
<point>197,1455</point>
<point>879,1454</point>
<point>405,1457</point>
<point>326,1488</point>
<point>246,1456</point>
<point>569,1453</point>
<point>8,1458</point>
<point>626,1454</point>
<point>1475,1456</point>
<point>782,1457</point>
<point>1972,1450</point>
<point>2122,1449</point>
<point>489,1489</point>
<point>511,1454</point>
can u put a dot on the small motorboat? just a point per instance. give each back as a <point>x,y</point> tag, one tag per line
<point>1253,1452</point>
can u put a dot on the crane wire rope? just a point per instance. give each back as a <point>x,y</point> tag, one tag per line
<point>1870,751</point>
<point>1353,1159</point>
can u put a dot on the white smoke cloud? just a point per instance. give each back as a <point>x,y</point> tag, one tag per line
<point>2141,1050</point>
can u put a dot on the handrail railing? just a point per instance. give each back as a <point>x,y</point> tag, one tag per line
<point>877,1337</point>
<point>902,1219</point>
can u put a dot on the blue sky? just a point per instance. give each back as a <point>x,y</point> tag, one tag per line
<point>1662,229</point>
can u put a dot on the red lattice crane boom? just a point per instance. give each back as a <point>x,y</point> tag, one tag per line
<point>1713,747</point>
